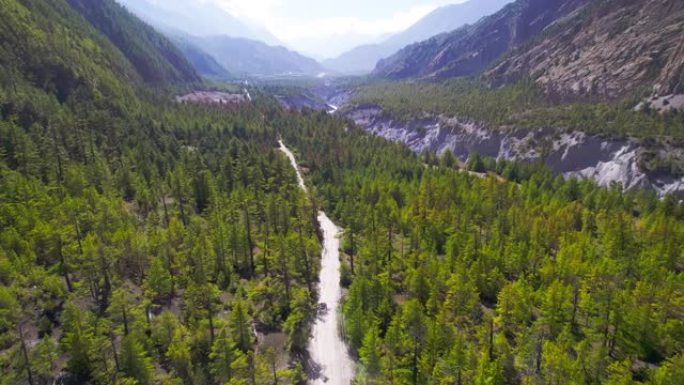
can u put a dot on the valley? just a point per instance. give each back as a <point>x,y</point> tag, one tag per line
<point>482,192</point>
<point>397,113</point>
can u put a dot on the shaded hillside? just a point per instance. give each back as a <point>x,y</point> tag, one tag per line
<point>472,49</point>
<point>36,57</point>
<point>154,57</point>
<point>608,49</point>
<point>204,63</point>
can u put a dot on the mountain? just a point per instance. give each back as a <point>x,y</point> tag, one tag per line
<point>363,59</point>
<point>56,50</point>
<point>155,58</point>
<point>196,18</point>
<point>218,44</point>
<point>609,49</point>
<point>250,57</point>
<point>471,49</point>
<point>598,48</point>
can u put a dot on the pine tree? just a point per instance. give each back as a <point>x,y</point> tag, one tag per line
<point>179,356</point>
<point>221,356</point>
<point>134,361</point>
<point>370,352</point>
<point>415,324</point>
<point>77,340</point>
<point>159,281</point>
<point>240,325</point>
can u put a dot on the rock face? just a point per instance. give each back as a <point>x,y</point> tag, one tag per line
<point>472,49</point>
<point>607,49</point>
<point>604,49</point>
<point>572,153</point>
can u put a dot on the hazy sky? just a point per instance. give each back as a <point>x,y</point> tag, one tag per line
<point>328,27</point>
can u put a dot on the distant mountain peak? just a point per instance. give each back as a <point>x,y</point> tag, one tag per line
<point>218,44</point>
<point>197,18</point>
<point>447,18</point>
<point>241,56</point>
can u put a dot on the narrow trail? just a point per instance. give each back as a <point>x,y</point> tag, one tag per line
<point>326,346</point>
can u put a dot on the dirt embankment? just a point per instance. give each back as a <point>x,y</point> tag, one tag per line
<point>212,97</point>
<point>568,153</point>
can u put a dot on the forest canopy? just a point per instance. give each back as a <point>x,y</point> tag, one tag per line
<point>455,277</point>
<point>521,104</point>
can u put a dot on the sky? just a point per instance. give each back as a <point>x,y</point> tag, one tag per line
<point>326,28</point>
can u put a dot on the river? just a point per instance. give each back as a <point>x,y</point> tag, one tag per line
<point>326,346</point>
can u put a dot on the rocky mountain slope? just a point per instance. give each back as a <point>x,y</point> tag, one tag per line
<point>588,52</point>
<point>607,49</point>
<point>472,49</point>
<point>363,59</point>
<point>604,49</point>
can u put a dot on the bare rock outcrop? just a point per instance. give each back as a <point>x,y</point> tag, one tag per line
<point>606,49</point>
<point>568,153</point>
<point>600,49</point>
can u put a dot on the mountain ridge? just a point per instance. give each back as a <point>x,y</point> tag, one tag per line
<point>608,50</point>
<point>601,49</point>
<point>197,19</point>
<point>55,50</point>
<point>153,56</point>
<point>204,63</point>
<point>227,50</point>
<point>470,49</point>
<point>240,56</point>
<point>362,59</point>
